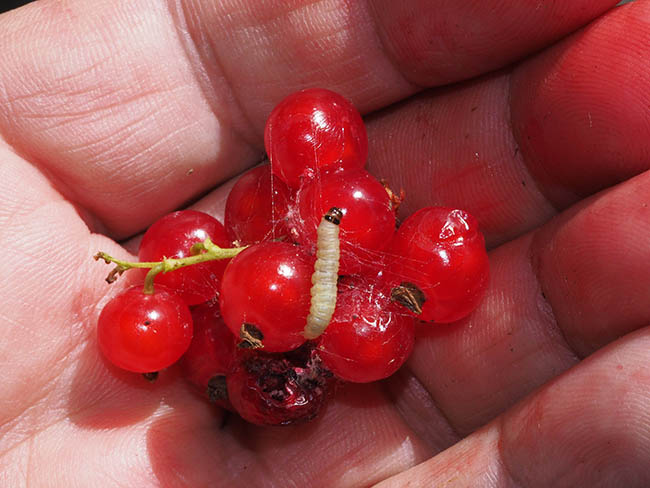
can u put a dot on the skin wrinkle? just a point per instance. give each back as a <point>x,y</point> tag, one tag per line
<point>30,461</point>
<point>350,18</point>
<point>518,157</point>
<point>388,387</point>
<point>65,82</point>
<point>378,29</point>
<point>131,131</point>
<point>55,193</point>
<point>96,113</point>
<point>128,163</point>
<point>521,154</point>
<point>66,189</point>
<point>62,80</point>
<point>14,423</point>
<point>503,459</point>
<point>533,262</point>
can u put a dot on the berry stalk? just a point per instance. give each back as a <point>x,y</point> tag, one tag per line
<point>201,253</point>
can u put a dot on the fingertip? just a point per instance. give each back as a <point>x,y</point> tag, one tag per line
<point>580,110</point>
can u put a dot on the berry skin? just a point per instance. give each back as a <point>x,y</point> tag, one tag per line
<point>172,236</point>
<point>278,389</point>
<point>368,221</point>
<point>211,354</point>
<point>369,337</point>
<point>144,333</point>
<point>442,252</point>
<point>312,130</point>
<point>265,296</point>
<point>257,207</point>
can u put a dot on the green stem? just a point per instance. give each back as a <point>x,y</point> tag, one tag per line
<point>201,252</point>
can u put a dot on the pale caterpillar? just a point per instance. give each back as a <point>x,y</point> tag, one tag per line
<point>326,274</point>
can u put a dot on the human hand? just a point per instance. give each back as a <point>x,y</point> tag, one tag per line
<point>114,113</point>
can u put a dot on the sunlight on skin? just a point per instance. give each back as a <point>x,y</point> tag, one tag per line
<point>102,134</point>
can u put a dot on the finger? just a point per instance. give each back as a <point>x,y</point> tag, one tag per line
<point>588,428</point>
<point>375,52</point>
<point>581,123</point>
<point>134,108</point>
<point>555,296</point>
<point>103,98</point>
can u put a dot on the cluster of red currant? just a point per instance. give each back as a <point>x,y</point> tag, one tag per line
<point>322,286</point>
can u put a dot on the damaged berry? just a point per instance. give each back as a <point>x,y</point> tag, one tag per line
<point>278,389</point>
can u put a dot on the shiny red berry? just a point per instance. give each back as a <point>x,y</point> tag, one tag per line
<point>257,207</point>
<point>265,295</point>
<point>368,221</point>
<point>173,236</point>
<point>144,333</point>
<point>312,130</point>
<point>440,260</point>
<point>369,337</point>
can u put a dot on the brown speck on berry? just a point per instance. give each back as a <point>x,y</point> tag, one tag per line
<point>410,296</point>
<point>251,337</point>
<point>217,390</point>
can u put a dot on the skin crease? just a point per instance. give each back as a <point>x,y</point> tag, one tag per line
<point>106,106</point>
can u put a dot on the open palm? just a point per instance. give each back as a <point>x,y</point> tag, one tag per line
<point>114,113</point>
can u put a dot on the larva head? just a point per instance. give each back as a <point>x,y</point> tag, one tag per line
<point>334,215</point>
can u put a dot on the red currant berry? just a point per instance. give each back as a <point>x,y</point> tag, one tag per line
<point>440,258</point>
<point>368,221</point>
<point>265,295</point>
<point>173,236</point>
<point>257,207</point>
<point>144,333</point>
<point>211,354</point>
<point>274,389</point>
<point>312,130</point>
<point>369,337</point>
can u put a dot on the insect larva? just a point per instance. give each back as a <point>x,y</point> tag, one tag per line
<point>326,274</point>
